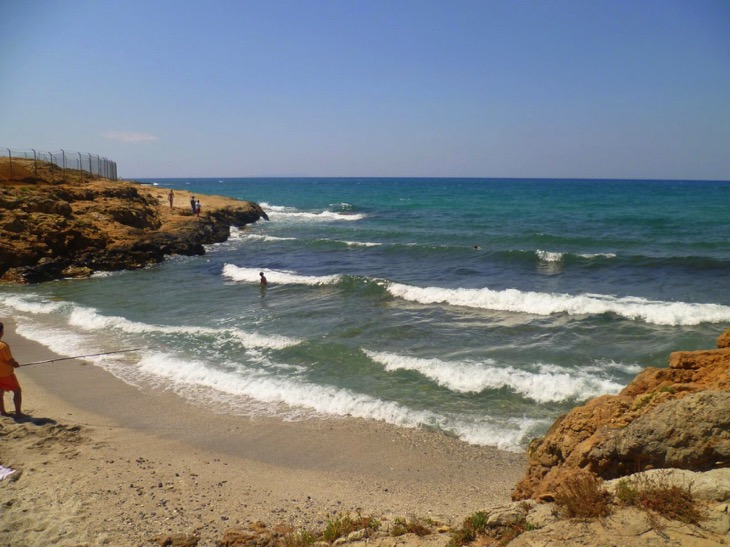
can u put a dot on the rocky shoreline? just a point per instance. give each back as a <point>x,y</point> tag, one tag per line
<point>58,223</point>
<point>676,417</point>
<point>670,427</point>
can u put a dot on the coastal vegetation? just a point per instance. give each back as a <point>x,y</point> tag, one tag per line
<point>659,495</point>
<point>583,497</point>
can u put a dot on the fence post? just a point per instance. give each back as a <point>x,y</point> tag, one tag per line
<point>104,166</point>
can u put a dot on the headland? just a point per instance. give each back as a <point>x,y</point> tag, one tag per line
<point>59,223</point>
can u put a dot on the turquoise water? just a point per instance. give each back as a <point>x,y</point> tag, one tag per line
<point>379,305</point>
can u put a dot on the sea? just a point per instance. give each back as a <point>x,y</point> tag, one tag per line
<point>481,309</point>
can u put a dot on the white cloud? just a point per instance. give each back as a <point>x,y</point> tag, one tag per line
<point>129,136</point>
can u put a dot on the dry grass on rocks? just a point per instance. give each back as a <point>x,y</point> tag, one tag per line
<point>656,495</point>
<point>583,496</point>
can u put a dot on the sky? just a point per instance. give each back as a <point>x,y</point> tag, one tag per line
<point>622,89</point>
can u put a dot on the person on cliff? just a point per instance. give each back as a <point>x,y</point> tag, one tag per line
<point>8,381</point>
<point>197,208</point>
<point>171,197</point>
<point>192,203</point>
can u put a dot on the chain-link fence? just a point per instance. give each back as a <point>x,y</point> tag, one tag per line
<point>90,163</point>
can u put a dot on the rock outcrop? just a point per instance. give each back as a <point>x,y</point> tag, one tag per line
<point>59,223</point>
<point>677,417</point>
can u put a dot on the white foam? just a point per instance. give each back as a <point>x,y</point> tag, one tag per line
<point>509,435</point>
<point>602,365</point>
<point>289,396</point>
<point>321,216</point>
<point>513,300</point>
<point>292,213</point>
<point>270,341</point>
<point>251,275</point>
<point>263,237</point>
<point>59,340</point>
<point>102,274</point>
<point>361,244</point>
<point>547,256</point>
<point>89,320</point>
<point>34,305</point>
<point>598,255</point>
<point>549,383</point>
<point>276,208</point>
<point>254,391</point>
<point>236,234</point>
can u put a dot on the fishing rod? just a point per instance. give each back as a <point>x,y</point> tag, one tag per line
<point>79,357</point>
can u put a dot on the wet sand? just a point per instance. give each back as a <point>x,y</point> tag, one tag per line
<point>102,462</point>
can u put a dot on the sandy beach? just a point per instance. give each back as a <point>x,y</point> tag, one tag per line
<point>100,462</point>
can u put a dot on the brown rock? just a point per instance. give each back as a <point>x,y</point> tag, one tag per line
<point>688,433</point>
<point>723,341</point>
<point>59,223</point>
<point>77,272</point>
<point>627,527</point>
<point>599,436</point>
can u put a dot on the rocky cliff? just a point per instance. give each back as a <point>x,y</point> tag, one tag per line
<point>678,417</point>
<point>62,223</point>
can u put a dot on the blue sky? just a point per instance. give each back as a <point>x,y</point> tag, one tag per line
<point>469,88</point>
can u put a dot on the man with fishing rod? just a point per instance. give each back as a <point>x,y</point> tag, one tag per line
<point>8,381</point>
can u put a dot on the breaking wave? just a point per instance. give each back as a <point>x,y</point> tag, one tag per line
<point>535,303</point>
<point>544,383</point>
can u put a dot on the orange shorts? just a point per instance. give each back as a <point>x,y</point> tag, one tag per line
<point>9,383</point>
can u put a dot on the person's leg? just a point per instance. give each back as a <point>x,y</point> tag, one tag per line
<point>18,401</point>
<point>2,403</point>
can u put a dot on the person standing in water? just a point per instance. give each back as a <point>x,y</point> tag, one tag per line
<point>8,381</point>
<point>263,282</point>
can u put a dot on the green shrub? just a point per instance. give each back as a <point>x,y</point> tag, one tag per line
<point>473,526</point>
<point>627,493</point>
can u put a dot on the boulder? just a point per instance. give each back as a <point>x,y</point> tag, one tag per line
<point>723,341</point>
<point>688,433</point>
<point>648,425</point>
